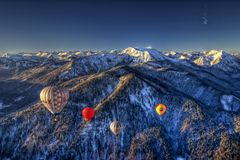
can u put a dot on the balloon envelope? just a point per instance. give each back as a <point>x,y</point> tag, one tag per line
<point>161,109</point>
<point>116,127</point>
<point>88,113</point>
<point>54,98</point>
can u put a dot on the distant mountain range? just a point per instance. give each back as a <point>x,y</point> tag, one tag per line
<point>200,89</point>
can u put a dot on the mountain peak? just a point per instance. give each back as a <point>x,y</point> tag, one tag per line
<point>143,54</point>
<point>211,57</point>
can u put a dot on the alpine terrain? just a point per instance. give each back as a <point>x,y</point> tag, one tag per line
<point>201,92</point>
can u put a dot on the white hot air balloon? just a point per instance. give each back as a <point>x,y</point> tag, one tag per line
<point>116,127</point>
<point>54,98</point>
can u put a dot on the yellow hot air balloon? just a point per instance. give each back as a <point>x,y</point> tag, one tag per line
<point>54,98</point>
<point>116,127</point>
<point>161,109</point>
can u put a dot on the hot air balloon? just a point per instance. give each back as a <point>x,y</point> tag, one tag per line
<point>88,113</point>
<point>116,127</point>
<point>161,109</point>
<point>54,98</point>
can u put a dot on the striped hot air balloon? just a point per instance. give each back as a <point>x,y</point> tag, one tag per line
<point>54,98</point>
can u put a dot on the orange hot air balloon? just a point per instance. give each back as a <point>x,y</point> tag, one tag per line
<point>88,113</point>
<point>161,109</point>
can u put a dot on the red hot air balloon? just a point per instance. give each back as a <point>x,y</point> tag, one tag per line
<point>88,113</point>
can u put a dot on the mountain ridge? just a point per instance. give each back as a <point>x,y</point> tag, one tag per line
<point>201,121</point>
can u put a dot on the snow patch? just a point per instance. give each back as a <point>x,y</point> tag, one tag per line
<point>133,98</point>
<point>18,98</point>
<point>216,56</point>
<point>211,58</point>
<point>180,158</point>
<point>143,54</point>
<point>230,103</point>
<point>143,99</point>
<point>184,56</point>
<point>2,105</point>
<point>138,53</point>
<point>109,88</point>
<point>199,61</point>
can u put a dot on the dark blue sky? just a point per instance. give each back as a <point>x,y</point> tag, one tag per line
<point>104,24</point>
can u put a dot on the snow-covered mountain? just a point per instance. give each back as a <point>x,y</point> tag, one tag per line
<point>200,89</point>
<point>143,54</point>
